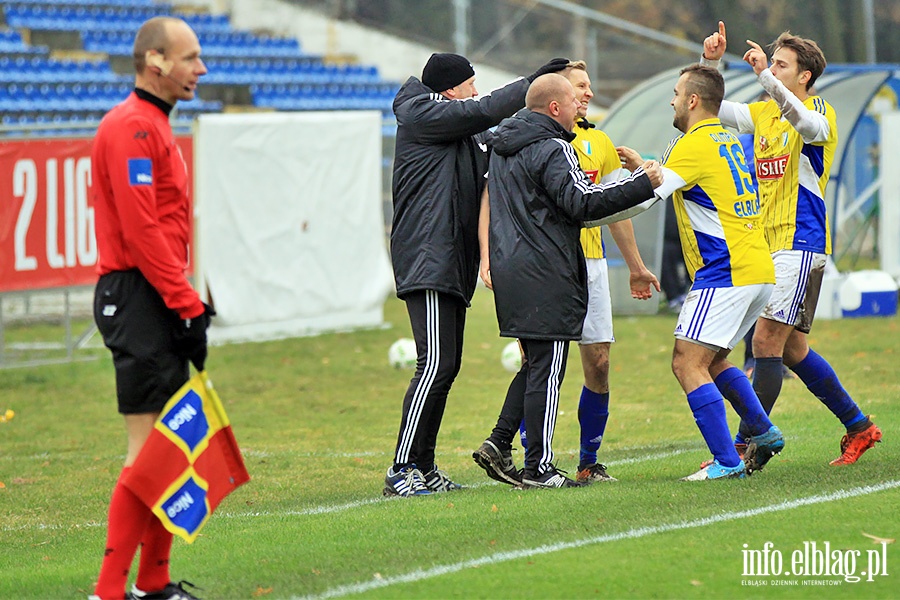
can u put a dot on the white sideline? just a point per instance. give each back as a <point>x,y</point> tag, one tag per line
<point>327,508</point>
<point>658,455</point>
<point>332,508</point>
<point>421,574</point>
<point>253,453</point>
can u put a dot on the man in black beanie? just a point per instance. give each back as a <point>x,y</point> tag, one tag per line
<point>444,72</point>
<point>440,161</point>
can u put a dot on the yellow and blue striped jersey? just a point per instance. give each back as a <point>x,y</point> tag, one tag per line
<point>598,158</point>
<point>717,209</point>
<point>792,176</point>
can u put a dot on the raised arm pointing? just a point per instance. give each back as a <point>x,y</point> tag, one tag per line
<point>714,45</point>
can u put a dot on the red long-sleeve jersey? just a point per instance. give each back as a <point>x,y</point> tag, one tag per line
<point>141,200</point>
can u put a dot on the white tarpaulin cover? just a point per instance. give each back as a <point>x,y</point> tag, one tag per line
<point>289,222</point>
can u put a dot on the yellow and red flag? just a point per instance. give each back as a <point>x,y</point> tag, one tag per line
<point>191,460</point>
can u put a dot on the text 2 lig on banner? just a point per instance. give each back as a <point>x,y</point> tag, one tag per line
<point>46,213</point>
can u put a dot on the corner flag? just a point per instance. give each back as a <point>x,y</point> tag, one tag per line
<point>191,460</point>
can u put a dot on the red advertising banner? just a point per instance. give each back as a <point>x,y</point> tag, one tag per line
<point>46,213</point>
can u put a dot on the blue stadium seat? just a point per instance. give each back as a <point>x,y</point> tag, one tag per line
<point>279,74</point>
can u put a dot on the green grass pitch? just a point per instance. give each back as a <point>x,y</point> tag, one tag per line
<point>317,420</point>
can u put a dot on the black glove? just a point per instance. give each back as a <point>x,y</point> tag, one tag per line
<point>190,337</point>
<point>554,66</point>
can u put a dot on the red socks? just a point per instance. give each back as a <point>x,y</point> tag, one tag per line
<point>131,523</point>
<point>153,573</point>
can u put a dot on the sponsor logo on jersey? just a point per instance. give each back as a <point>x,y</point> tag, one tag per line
<point>747,208</point>
<point>140,171</point>
<point>771,168</point>
<point>592,174</point>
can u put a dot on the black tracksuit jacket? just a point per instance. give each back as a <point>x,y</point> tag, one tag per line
<point>440,162</point>
<point>539,198</point>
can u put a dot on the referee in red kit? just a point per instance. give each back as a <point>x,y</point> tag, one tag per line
<point>150,316</point>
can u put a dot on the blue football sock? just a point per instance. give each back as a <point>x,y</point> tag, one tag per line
<point>736,388</point>
<point>709,413</point>
<point>522,436</point>
<point>820,379</point>
<point>593,413</point>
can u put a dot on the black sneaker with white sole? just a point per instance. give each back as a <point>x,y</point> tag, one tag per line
<point>172,591</point>
<point>551,478</point>
<point>498,464</point>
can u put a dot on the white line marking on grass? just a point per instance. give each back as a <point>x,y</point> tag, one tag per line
<point>422,574</point>
<point>333,508</point>
<point>668,445</point>
<point>315,510</point>
<point>52,527</point>
<point>249,452</point>
<point>254,453</point>
<point>658,455</point>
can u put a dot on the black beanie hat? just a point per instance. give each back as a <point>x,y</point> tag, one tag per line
<point>444,71</point>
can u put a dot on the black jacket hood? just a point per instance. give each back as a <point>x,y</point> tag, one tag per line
<point>525,128</point>
<point>411,88</point>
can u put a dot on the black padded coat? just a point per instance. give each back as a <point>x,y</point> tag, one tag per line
<point>440,163</point>
<point>539,198</point>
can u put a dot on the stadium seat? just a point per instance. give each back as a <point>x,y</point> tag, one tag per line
<point>276,70</point>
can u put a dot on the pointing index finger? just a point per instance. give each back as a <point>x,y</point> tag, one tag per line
<point>722,28</point>
<point>754,45</point>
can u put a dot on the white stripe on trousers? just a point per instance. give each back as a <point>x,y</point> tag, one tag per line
<point>552,407</point>
<point>432,360</point>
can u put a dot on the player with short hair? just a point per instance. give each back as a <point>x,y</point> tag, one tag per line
<point>729,264</point>
<point>539,199</point>
<point>149,315</point>
<point>795,137</point>
<point>598,159</point>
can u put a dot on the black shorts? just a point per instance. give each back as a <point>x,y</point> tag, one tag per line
<point>139,329</point>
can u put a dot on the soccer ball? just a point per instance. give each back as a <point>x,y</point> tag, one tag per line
<point>402,354</point>
<point>511,357</point>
